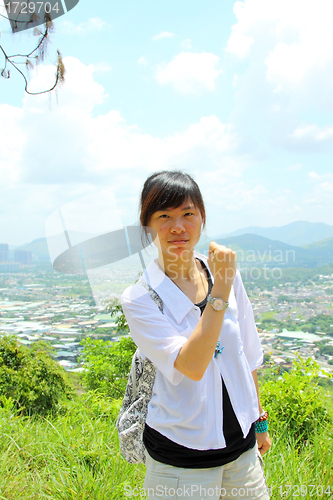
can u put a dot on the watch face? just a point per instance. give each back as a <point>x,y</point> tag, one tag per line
<point>218,304</point>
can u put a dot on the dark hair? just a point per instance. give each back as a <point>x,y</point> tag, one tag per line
<point>168,189</point>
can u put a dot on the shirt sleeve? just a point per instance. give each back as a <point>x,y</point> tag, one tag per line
<point>248,330</point>
<point>151,331</point>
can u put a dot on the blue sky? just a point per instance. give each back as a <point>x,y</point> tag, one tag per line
<point>238,94</point>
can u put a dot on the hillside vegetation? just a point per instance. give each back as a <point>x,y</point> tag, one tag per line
<point>72,452</point>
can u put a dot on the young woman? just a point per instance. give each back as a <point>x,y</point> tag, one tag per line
<point>200,432</point>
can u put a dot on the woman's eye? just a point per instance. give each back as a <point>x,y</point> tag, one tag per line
<point>189,213</point>
<point>164,216</point>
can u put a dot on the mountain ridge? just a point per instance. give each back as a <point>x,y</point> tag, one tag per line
<point>298,233</point>
<point>251,248</point>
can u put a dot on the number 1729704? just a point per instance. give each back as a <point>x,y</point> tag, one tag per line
<point>32,7</point>
<point>312,490</point>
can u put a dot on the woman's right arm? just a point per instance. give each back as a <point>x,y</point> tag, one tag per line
<point>175,354</point>
<point>196,353</point>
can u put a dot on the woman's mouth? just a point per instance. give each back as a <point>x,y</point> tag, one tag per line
<point>178,242</point>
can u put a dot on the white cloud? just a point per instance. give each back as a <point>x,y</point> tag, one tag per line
<point>239,42</point>
<point>56,153</point>
<point>102,67</point>
<point>12,141</point>
<point>142,61</point>
<point>295,167</point>
<point>238,196</point>
<point>313,175</point>
<point>208,142</point>
<point>313,133</point>
<point>288,49</point>
<point>53,155</point>
<point>296,37</point>
<point>318,201</point>
<point>239,204</point>
<point>190,72</point>
<point>327,187</point>
<point>52,150</point>
<point>93,24</point>
<point>163,34</point>
<point>186,44</point>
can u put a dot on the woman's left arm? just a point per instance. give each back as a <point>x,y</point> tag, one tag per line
<point>263,439</point>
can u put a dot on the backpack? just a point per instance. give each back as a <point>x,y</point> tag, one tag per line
<point>133,413</point>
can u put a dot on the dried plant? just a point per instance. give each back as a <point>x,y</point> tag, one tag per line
<point>35,57</point>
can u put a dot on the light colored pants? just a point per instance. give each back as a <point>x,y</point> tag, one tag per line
<point>242,479</point>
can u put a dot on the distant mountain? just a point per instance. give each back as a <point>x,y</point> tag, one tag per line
<point>320,248</point>
<point>258,250</point>
<point>250,248</point>
<point>296,233</point>
<point>37,247</point>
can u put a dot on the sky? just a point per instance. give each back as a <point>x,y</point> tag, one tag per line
<point>238,94</point>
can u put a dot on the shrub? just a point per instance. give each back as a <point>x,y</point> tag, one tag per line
<point>107,365</point>
<point>30,377</point>
<point>295,402</point>
<point>113,306</point>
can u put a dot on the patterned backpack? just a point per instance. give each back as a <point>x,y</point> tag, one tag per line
<point>133,413</point>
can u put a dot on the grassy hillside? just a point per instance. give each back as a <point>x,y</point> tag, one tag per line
<point>76,456</point>
<point>72,452</point>
<point>321,248</point>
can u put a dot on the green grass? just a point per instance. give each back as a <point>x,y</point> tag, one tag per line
<point>75,455</point>
<point>269,315</point>
<point>71,456</point>
<point>310,464</point>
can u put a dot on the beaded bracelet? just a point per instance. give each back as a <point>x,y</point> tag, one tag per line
<point>263,416</point>
<point>261,426</point>
<point>261,423</point>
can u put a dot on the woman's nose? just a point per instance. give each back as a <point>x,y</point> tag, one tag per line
<point>178,226</point>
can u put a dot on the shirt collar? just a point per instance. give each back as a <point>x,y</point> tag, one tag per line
<point>174,299</point>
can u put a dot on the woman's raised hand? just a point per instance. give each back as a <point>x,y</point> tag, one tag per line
<point>222,262</point>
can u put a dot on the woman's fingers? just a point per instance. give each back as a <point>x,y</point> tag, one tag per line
<point>222,262</point>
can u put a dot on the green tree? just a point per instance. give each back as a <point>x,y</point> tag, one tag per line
<point>31,377</point>
<point>113,306</point>
<point>107,365</point>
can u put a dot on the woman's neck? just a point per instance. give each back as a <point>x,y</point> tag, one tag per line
<point>177,268</point>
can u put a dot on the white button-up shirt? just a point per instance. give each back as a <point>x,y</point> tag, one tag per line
<point>190,412</point>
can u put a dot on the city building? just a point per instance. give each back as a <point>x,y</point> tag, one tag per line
<point>4,252</point>
<point>23,256</point>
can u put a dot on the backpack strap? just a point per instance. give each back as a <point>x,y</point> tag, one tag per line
<point>132,415</point>
<point>147,365</point>
<point>153,294</point>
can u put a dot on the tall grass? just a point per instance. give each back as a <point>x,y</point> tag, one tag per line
<point>71,456</point>
<point>300,466</point>
<point>75,455</point>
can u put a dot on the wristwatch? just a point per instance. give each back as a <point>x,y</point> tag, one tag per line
<point>217,303</point>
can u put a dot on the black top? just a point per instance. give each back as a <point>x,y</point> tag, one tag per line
<point>166,451</point>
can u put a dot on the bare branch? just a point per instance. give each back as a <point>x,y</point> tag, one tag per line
<point>34,57</point>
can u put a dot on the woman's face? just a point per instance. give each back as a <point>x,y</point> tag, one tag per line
<point>176,231</point>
